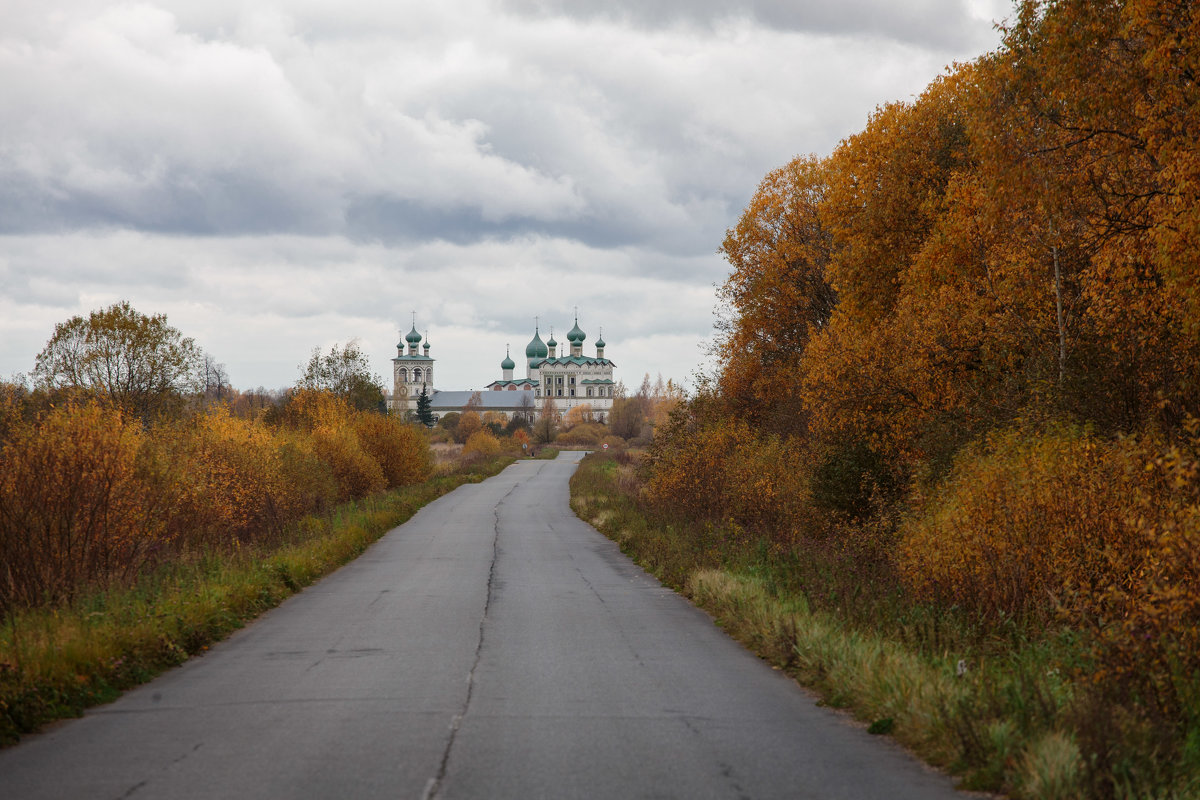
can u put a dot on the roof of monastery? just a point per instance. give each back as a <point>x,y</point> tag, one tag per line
<point>515,382</point>
<point>579,361</point>
<point>456,400</point>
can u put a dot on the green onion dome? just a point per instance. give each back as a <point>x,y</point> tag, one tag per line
<point>536,347</point>
<point>507,363</point>
<point>576,336</point>
<point>413,337</point>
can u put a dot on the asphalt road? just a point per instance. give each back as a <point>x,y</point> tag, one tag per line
<point>494,646</point>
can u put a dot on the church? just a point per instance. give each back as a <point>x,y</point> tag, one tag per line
<point>566,379</point>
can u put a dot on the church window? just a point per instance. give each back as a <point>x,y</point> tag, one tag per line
<point>403,375</point>
<point>560,392</point>
<point>590,391</point>
<point>572,393</point>
<point>417,375</point>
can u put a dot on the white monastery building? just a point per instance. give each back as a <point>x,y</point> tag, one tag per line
<point>568,379</point>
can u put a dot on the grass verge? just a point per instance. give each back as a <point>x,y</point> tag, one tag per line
<point>1004,711</point>
<point>56,662</point>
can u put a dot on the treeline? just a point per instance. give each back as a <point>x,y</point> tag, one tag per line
<point>961,369</point>
<point>120,457</point>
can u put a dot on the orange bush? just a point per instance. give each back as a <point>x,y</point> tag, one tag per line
<point>309,409</point>
<point>481,443</point>
<point>240,478</point>
<point>1148,620</point>
<point>585,434</point>
<point>520,438</point>
<point>1024,526</point>
<point>722,471</point>
<point>75,505</point>
<point>402,451</point>
<point>355,472</point>
<point>468,424</point>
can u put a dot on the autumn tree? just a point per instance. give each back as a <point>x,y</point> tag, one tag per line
<point>216,380</point>
<point>865,376</point>
<point>665,397</point>
<point>449,420</point>
<point>138,362</point>
<point>778,293</point>
<point>346,372</point>
<point>1082,126</point>
<point>526,410</point>
<point>469,423</point>
<point>579,415</point>
<point>546,424</point>
<point>628,417</point>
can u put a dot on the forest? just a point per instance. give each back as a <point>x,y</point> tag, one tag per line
<point>958,406</point>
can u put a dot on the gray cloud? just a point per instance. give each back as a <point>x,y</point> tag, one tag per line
<point>933,23</point>
<point>281,175</point>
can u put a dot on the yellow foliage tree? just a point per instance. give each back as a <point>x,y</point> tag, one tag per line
<point>578,415</point>
<point>469,424</point>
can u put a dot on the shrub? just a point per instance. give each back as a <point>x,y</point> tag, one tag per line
<point>75,505</point>
<point>309,409</point>
<point>615,444</point>
<point>240,479</point>
<point>584,434</point>
<point>354,471</point>
<point>1025,523</point>
<point>468,424</point>
<point>850,479</point>
<point>720,470</point>
<point>481,444</point>
<point>1148,628</point>
<point>401,450</point>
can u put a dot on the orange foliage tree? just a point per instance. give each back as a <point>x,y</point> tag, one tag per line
<point>779,291</point>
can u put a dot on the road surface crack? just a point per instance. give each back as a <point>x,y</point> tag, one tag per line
<point>435,783</point>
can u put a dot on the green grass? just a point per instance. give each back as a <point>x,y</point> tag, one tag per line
<point>1014,718</point>
<point>56,662</point>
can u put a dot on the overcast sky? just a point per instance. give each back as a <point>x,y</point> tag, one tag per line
<point>276,176</point>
